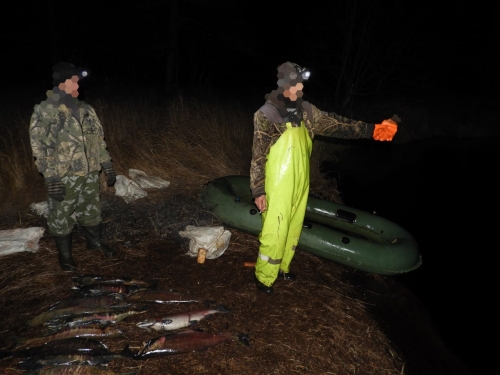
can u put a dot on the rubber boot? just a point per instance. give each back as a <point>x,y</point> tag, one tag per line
<point>93,236</point>
<point>262,287</point>
<point>287,276</point>
<point>63,245</point>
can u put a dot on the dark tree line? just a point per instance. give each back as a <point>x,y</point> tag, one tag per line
<point>356,49</point>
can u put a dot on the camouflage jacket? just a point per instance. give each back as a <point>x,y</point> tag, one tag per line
<point>62,145</point>
<point>267,130</point>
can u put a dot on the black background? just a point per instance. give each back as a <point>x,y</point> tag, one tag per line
<point>401,49</point>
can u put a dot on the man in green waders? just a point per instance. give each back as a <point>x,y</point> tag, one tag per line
<point>284,128</point>
<point>67,140</point>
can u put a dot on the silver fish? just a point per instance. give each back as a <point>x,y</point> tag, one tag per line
<point>185,342</point>
<point>79,370</point>
<point>180,320</point>
<point>69,311</point>
<point>107,332</point>
<point>101,319</point>
<point>160,296</point>
<point>72,345</point>
<point>104,289</point>
<point>107,300</point>
<point>94,279</point>
<point>67,359</point>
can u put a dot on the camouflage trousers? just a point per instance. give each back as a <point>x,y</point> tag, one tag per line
<point>81,204</point>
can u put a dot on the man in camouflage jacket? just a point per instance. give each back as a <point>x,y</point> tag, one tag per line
<point>284,128</point>
<point>68,145</point>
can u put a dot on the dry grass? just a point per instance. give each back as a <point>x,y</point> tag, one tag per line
<point>186,141</point>
<point>183,141</point>
<point>333,320</point>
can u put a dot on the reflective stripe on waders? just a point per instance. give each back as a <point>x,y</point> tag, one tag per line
<point>269,260</point>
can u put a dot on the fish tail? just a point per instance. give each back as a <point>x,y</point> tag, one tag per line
<point>222,309</point>
<point>34,322</point>
<point>145,325</point>
<point>127,352</point>
<point>208,302</point>
<point>5,354</point>
<point>243,338</point>
<point>18,340</point>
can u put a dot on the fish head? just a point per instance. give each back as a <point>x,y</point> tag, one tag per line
<point>147,324</point>
<point>154,344</point>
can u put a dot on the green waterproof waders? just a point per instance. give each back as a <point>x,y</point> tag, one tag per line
<point>287,190</point>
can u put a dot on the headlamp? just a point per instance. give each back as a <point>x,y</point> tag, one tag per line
<point>304,72</point>
<point>64,71</point>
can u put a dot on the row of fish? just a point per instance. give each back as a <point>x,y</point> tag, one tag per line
<point>76,324</point>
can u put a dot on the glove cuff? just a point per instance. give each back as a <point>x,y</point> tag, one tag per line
<point>49,180</point>
<point>370,128</point>
<point>107,164</point>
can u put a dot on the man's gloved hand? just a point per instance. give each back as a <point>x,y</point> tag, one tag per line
<point>387,129</point>
<point>55,188</point>
<point>110,172</point>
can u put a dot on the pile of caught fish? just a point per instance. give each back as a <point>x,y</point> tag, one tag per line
<point>74,327</point>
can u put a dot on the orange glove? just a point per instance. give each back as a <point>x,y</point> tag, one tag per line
<point>386,130</point>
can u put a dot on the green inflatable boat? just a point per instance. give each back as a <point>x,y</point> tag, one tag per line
<point>331,230</point>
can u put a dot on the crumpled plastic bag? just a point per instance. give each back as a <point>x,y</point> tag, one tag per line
<point>41,208</point>
<point>147,182</point>
<point>128,189</point>
<point>20,239</point>
<point>213,239</point>
<point>133,188</point>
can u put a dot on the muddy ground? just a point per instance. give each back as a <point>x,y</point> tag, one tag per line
<point>332,320</point>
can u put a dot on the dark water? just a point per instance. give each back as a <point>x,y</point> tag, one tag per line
<point>444,192</point>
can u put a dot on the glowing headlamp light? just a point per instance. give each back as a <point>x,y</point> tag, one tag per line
<point>302,71</point>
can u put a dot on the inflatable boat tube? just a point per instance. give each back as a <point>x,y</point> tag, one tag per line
<point>333,231</point>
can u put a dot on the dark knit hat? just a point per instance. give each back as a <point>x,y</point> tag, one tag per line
<point>291,73</point>
<point>63,71</point>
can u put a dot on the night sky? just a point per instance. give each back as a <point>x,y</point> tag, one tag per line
<point>389,50</point>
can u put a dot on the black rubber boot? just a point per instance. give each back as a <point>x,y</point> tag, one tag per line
<point>63,245</point>
<point>287,276</point>
<point>263,287</point>
<point>93,236</point>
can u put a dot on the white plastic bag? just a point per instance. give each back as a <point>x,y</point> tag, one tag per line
<point>213,239</point>
<point>20,239</point>
<point>127,189</point>
<point>132,189</point>
<point>145,181</point>
<point>41,208</point>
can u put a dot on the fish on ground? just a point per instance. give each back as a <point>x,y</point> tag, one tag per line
<point>67,312</point>
<point>184,342</point>
<point>82,280</point>
<point>37,363</point>
<point>162,296</point>
<point>103,289</point>
<point>72,345</point>
<point>100,319</point>
<point>77,370</point>
<point>107,332</point>
<point>105,300</point>
<point>180,320</point>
